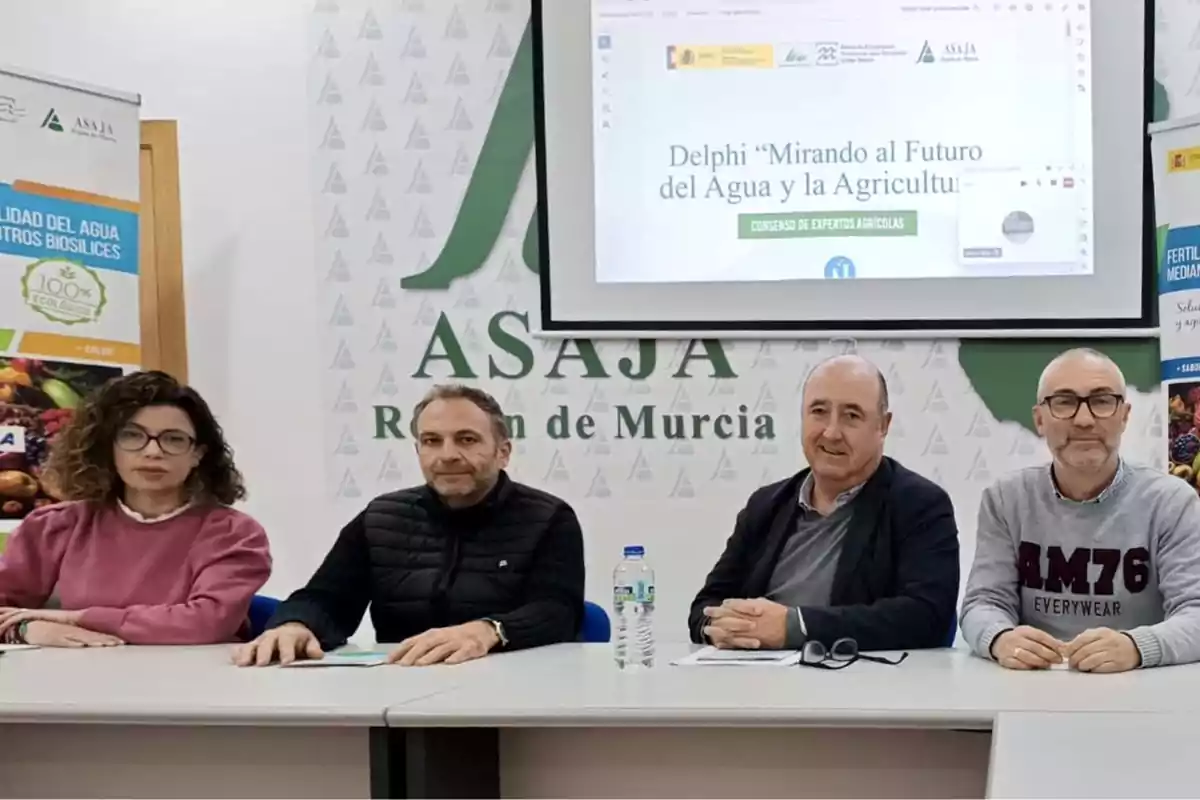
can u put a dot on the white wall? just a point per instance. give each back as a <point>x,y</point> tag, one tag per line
<point>232,72</point>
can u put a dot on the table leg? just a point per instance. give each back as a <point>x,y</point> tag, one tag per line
<point>435,762</point>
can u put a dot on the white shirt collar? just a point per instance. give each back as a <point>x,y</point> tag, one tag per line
<point>129,512</point>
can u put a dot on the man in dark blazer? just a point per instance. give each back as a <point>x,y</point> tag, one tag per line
<point>854,547</point>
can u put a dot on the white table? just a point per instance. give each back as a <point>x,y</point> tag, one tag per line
<point>571,725</point>
<point>1038,755</point>
<point>562,721</point>
<point>172,722</point>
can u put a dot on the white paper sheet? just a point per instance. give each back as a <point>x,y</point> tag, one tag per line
<point>711,656</point>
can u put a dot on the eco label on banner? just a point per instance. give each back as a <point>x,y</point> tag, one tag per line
<point>1176,149</point>
<point>63,291</point>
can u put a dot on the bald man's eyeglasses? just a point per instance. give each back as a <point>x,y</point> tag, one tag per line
<point>1065,405</point>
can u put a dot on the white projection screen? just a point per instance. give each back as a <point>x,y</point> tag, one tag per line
<point>808,167</point>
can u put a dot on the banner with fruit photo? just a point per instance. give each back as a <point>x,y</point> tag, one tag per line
<point>69,316</point>
<point>1176,149</point>
<point>36,399</point>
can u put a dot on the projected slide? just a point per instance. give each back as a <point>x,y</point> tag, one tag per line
<point>770,140</point>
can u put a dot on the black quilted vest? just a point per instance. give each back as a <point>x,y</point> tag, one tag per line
<point>433,566</point>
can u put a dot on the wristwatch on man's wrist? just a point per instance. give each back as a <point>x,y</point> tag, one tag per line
<point>499,628</point>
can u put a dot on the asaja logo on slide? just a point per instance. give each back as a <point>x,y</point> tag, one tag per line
<point>63,291</point>
<point>960,51</point>
<point>52,121</point>
<point>9,110</point>
<point>94,128</point>
<point>91,127</point>
<point>952,52</point>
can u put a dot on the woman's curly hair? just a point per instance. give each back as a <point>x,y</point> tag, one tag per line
<point>80,465</point>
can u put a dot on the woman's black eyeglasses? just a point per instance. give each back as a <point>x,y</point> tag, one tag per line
<point>134,439</point>
<point>843,653</point>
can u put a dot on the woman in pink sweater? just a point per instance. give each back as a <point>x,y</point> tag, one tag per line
<point>147,550</point>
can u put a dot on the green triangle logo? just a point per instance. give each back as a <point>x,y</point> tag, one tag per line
<point>926,56</point>
<point>52,122</point>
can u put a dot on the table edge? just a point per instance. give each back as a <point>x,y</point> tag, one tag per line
<point>402,716</point>
<point>267,717</point>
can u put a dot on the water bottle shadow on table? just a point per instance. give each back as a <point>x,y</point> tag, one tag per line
<point>633,610</point>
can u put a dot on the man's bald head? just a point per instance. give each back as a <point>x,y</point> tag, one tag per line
<point>850,366</point>
<point>1064,368</point>
<point>1081,412</point>
<point>845,422</point>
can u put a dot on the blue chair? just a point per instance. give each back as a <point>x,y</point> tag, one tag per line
<point>595,627</point>
<point>261,609</point>
<point>953,630</point>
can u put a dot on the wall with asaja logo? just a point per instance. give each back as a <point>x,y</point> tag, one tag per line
<point>422,114</point>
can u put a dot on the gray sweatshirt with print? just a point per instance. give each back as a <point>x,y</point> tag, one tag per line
<point>1128,560</point>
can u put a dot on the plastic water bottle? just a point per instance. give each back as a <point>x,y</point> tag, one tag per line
<point>633,610</point>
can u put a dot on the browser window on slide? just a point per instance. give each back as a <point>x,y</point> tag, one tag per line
<point>1023,222</point>
<point>764,140</point>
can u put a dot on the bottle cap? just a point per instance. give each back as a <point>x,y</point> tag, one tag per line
<point>634,550</point>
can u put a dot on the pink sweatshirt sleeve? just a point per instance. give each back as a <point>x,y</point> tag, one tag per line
<point>31,558</point>
<point>231,560</point>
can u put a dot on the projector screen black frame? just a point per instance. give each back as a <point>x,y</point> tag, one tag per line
<point>980,328</point>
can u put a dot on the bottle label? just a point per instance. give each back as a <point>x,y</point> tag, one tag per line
<point>645,592</point>
<point>623,594</point>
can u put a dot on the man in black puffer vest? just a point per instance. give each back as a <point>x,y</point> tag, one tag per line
<point>469,563</point>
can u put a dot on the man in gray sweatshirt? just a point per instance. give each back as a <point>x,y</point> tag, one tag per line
<point>1088,560</point>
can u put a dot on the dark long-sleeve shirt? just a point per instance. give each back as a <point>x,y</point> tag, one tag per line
<point>516,558</point>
